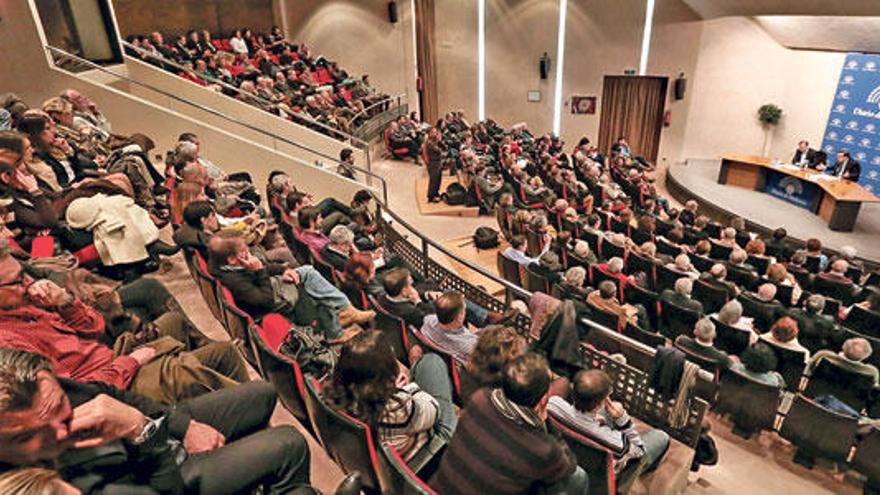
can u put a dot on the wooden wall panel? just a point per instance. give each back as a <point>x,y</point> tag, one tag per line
<point>179,16</point>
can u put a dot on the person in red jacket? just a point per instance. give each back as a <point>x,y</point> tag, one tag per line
<point>41,317</point>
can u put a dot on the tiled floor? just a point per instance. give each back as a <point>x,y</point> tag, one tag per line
<point>758,466</point>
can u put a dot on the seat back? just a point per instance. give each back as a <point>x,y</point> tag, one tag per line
<point>636,263</point>
<point>829,379</point>
<point>605,318</point>
<point>401,479</point>
<point>841,291</point>
<point>666,278</point>
<point>633,294</point>
<point>743,278</point>
<point>325,269</point>
<point>357,297</point>
<point>508,269</point>
<point>790,364</point>
<point>534,282</point>
<point>282,372</point>
<point>667,247</point>
<point>347,440</point>
<point>752,405</point>
<point>730,339</point>
<point>817,431</point>
<point>675,320</point>
<point>701,263</point>
<point>784,294</point>
<point>646,337</point>
<point>611,250</point>
<point>592,239</point>
<point>394,329</point>
<point>813,264</point>
<point>415,337</point>
<point>620,227</point>
<point>761,263</point>
<point>865,458</point>
<point>763,313</point>
<point>713,298</point>
<point>210,289</point>
<point>863,321</point>
<point>237,321</point>
<point>720,252</point>
<point>534,242</point>
<point>596,460</point>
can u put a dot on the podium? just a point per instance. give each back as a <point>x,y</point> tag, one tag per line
<point>837,201</point>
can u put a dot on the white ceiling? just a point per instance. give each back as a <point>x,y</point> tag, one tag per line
<point>708,9</point>
<point>851,34</point>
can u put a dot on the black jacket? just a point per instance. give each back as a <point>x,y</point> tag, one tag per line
<point>252,291</point>
<point>816,331</point>
<point>115,467</point>
<point>851,167</point>
<point>811,157</point>
<point>333,258</point>
<point>191,238</point>
<point>672,297</point>
<point>707,352</point>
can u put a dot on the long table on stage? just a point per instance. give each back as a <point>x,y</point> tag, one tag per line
<point>836,200</point>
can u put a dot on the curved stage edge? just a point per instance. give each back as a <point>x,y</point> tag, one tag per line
<point>698,179</point>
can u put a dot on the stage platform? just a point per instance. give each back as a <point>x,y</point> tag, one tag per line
<point>698,179</point>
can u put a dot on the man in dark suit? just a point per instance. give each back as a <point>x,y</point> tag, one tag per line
<point>681,297</point>
<point>776,245</point>
<point>845,167</point>
<point>805,156</point>
<point>109,440</point>
<point>703,344</point>
<point>816,330</point>
<point>716,277</point>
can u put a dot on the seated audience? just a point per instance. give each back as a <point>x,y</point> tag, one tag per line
<point>497,345</point>
<point>816,330</point>
<point>517,251</point>
<point>199,224</point>
<point>762,306</point>
<point>259,288</point>
<point>731,315</point>
<point>605,299</point>
<point>592,413</point>
<point>39,316</point>
<point>446,329</point>
<point>504,428</point>
<point>45,418</point>
<point>717,278</point>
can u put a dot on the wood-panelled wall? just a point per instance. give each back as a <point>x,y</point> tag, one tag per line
<point>179,16</point>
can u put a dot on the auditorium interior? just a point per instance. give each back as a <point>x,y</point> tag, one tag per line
<point>440,246</point>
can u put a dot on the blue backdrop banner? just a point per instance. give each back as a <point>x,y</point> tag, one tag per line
<point>854,120</point>
<point>791,189</point>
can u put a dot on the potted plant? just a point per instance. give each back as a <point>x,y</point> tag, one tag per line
<point>769,115</point>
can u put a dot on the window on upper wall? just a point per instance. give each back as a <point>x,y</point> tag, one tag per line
<point>83,28</point>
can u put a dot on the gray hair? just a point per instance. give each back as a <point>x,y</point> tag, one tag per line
<point>18,378</point>
<point>186,151</point>
<point>615,265</point>
<point>575,276</point>
<point>684,286</point>
<point>683,262</point>
<point>857,349</point>
<point>731,312</point>
<point>729,233</point>
<point>704,330</point>
<point>341,234</point>
<point>766,292</point>
<point>815,303</point>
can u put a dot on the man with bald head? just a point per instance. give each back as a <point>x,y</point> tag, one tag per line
<point>717,277</point>
<point>851,358</point>
<point>762,306</point>
<point>837,272</point>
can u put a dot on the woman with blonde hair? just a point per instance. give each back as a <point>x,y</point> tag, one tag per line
<point>34,481</point>
<point>497,345</point>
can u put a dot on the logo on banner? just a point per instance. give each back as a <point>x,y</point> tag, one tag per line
<point>852,64</point>
<point>852,125</point>
<point>870,67</point>
<point>848,80</point>
<point>873,174</point>
<point>835,122</point>
<point>864,143</point>
<point>875,161</point>
<point>832,136</point>
<point>829,148</point>
<point>848,139</point>
<point>874,97</point>
<point>841,108</point>
<point>861,155</point>
<point>870,128</point>
<point>843,95</point>
<point>791,186</point>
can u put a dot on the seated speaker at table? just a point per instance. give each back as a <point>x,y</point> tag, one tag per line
<point>845,167</point>
<point>806,156</point>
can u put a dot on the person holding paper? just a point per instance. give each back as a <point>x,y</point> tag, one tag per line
<point>845,167</point>
<point>804,156</point>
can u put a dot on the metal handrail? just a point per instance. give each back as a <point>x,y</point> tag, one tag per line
<point>369,175</point>
<point>359,143</point>
<point>366,110</point>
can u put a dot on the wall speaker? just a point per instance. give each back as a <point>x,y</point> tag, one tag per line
<point>680,86</point>
<point>544,66</point>
<point>392,12</point>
